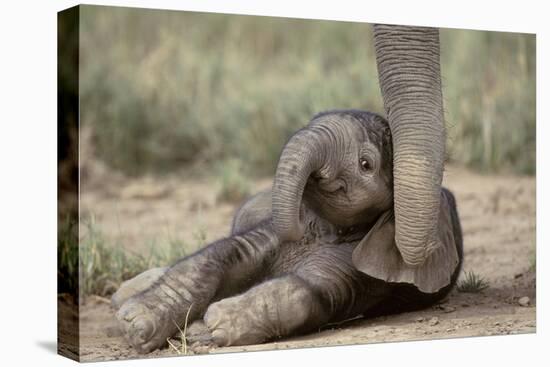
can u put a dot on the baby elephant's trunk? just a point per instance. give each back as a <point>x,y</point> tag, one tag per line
<point>304,154</point>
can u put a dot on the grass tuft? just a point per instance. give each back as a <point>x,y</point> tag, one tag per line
<point>102,266</point>
<point>183,335</point>
<point>472,283</point>
<point>67,256</point>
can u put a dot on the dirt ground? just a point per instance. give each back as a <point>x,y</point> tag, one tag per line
<point>498,219</point>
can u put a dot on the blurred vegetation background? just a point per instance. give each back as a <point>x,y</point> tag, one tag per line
<point>217,96</point>
<point>171,90</point>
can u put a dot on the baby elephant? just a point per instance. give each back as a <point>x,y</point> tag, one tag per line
<point>318,248</point>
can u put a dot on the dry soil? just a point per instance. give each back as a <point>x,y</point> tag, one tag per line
<point>498,219</point>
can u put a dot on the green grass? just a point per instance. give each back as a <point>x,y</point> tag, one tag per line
<point>489,84</point>
<point>175,89</point>
<point>472,283</point>
<point>102,266</point>
<point>67,256</point>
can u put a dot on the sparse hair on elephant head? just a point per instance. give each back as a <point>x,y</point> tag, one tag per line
<point>341,167</point>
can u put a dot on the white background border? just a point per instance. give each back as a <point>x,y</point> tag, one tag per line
<point>28,180</point>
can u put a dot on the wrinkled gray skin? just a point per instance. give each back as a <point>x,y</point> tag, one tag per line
<point>255,286</point>
<point>410,81</point>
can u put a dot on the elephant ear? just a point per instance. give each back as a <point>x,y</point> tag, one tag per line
<point>377,254</point>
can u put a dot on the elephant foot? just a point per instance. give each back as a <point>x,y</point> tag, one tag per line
<point>136,285</point>
<point>197,333</point>
<point>230,324</point>
<point>145,328</point>
<point>270,310</point>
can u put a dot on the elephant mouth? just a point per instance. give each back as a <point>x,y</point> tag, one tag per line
<point>330,202</point>
<point>326,186</point>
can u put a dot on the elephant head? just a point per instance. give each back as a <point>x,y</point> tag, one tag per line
<point>341,165</point>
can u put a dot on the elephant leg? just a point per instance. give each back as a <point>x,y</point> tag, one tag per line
<point>275,308</point>
<point>254,211</point>
<point>136,285</point>
<point>324,287</point>
<point>185,290</point>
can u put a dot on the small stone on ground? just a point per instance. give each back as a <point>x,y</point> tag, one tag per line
<point>524,301</point>
<point>433,321</point>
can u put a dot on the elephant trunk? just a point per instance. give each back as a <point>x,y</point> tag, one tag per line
<point>410,80</point>
<point>303,154</point>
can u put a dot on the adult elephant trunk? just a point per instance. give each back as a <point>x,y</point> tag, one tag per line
<point>410,80</point>
<point>304,154</point>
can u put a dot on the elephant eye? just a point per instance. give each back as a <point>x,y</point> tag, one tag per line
<point>365,164</point>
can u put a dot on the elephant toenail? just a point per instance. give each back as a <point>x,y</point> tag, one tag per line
<point>220,337</point>
<point>145,329</point>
